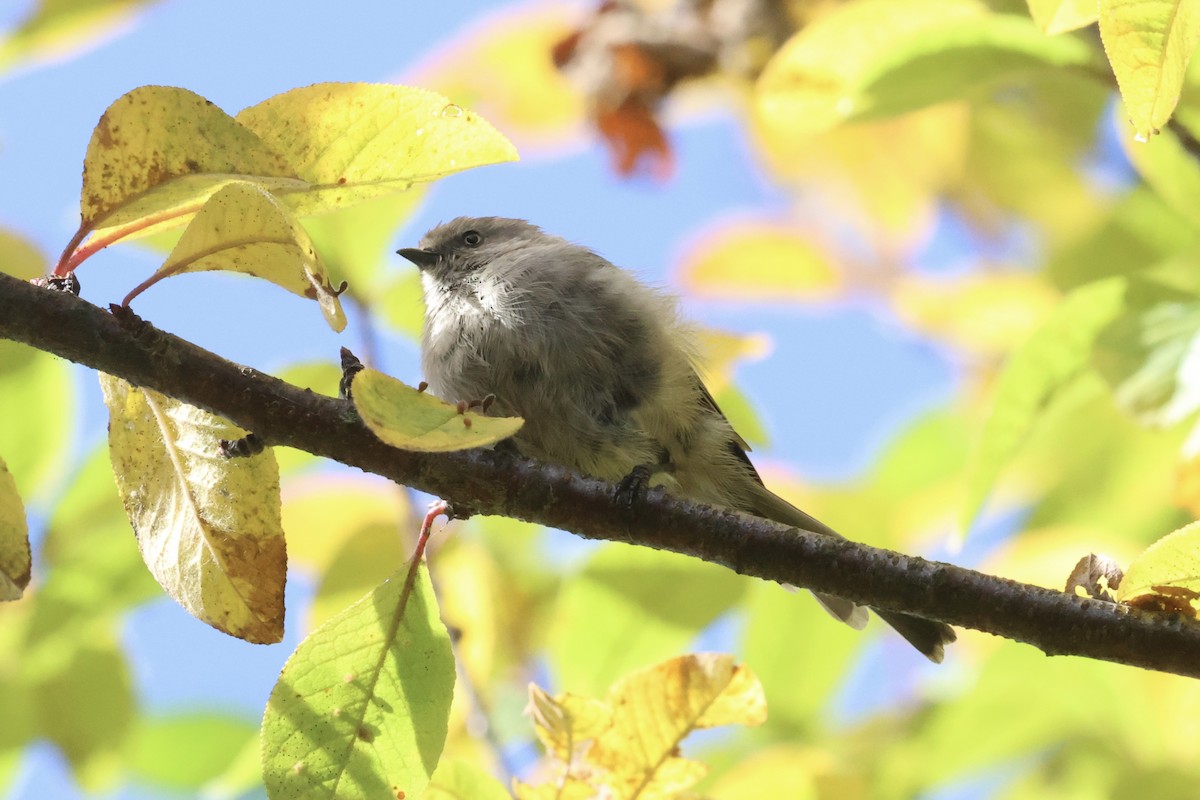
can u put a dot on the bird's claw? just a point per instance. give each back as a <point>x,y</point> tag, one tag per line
<point>632,488</point>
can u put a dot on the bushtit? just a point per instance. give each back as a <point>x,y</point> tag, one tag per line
<point>602,369</point>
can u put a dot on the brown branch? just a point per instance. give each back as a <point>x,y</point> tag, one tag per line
<point>495,483</point>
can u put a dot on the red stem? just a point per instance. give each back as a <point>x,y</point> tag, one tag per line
<point>64,265</point>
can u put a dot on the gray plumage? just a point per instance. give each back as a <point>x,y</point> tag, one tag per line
<point>600,366</point>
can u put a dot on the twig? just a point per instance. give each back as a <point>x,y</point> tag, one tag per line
<point>493,482</point>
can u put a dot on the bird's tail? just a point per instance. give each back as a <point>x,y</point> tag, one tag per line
<point>928,636</point>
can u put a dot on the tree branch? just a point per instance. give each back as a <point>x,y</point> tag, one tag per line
<point>491,482</point>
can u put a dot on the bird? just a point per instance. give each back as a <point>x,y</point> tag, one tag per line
<point>602,367</point>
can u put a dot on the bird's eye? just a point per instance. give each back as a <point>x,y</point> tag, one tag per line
<point>472,239</point>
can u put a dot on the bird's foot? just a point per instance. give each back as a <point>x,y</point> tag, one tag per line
<point>632,488</point>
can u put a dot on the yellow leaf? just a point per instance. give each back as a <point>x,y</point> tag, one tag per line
<point>894,171</point>
<point>669,779</point>
<point>628,745</point>
<point>1149,44</point>
<point>1060,16</point>
<point>1186,491</point>
<point>655,708</point>
<point>353,242</point>
<point>208,526</point>
<point>503,66</point>
<point>1167,575</point>
<point>14,539</point>
<point>412,420</point>
<point>355,141</point>
<point>758,262</point>
<point>722,351</point>
<point>244,228</point>
<point>984,313</point>
<point>158,153</point>
<point>565,722</point>
<point>321,512</point>
<point>471,582</point>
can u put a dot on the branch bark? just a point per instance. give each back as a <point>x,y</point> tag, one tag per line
<point>491,482</point>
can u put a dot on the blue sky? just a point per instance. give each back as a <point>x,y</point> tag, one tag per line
<point>841,380</point>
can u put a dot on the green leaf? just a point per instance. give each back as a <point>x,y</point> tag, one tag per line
<point>876,58</point>
<point>815,647</point>
<point>22,258</point>
<point>1168,165</point>
<point>244,228</point>
<point>414,420</point>
<point>1055,354</point>
<point>242,773</point>
<point>630,607</point>
<point>952,61</point>
<point>355,141</point>
<point>87,709</point>
<point>89,534</point>
<point>17,685</point>
<point>368,557</point>
<point>321,377</point>
<point>1151,356</point>
<point>207,525</point>
<point>456,779</point>
<point>37,401</point>
<point>353,242</point>
<point>1140,231</point>
<point>55,26</point>
<point>15,558</point>
<point>362,707</point>
<point>981,730</point>
<point>401,303</point>
<point>93,571</point>
<point>1091,465</point>
<point>184,751</point>
<point>1149,44</point>
<point>10,762</point>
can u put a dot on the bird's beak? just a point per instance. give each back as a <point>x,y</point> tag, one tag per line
<point>422,258</point>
